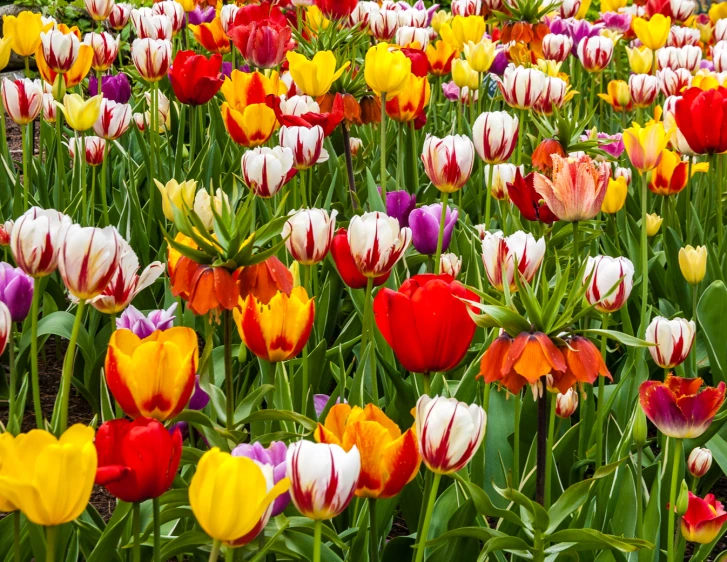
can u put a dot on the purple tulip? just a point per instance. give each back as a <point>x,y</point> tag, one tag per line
<point>320,401</point>
<point>583,29</point>
<point>144,326</point>
<point>16,291</point>
<point>273,456</point>
<point>617,22</point>
<point>500,62</point>
<point>419,5</point>
<point>614,148</point>
<point>424,224</point>
<point>200,398</point>
<point>198,15</point>
<point>707,65</point>
<point>114,87</point>
<point>451,91</point>
<point>400,204</point>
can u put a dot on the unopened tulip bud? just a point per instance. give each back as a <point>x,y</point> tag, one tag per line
<point>624,173</point>
<point>450,264</point>
<point>610,281</point>
<point>683,499</point>
<point>640,429</point>
<point>673,340</point>
<point>308,234</point>
<point>356,144</point>
<point>693,263</point>
<point>616,194</point>
<point>699,461</point>
<point>566,404</point>
<point>653,224</point>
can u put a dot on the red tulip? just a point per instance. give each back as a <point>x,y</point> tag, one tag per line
<point>419,61</point>
<point>263,43</point>
<point>701,116</point>
<point>522,193</point>
<point>703,520</point>
<point>677,407</point>
<point>336,9</point>
<point>341,252</point>
<point>426,323</point>
<point>195,78</point>
<point>327,121</point>
<point>137,460</point>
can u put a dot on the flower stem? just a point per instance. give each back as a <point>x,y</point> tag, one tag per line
<point>430,499</point>
<point>488,200</point>
<point>383,146</point>
<point>34,354</point>
<point>673,498</point>
<point>639,492</point>
<point>51,534</point>
<point>215,552</point>
<point>373,531</point>
<point>60,168</point>
<point>601,401</point>
<point>576,249</point>
<point>440,238</point>
<point>644,257</point>
<point>13,381</point>
<point>720,192</point>
<point>365,335</point>
<point>192,135</point>
<point>104,202</point>
<point>136,529</point>
<point>516,444</point>
<point>67,374</point>
<point>229,387</point>
<point>551,444</point>
<point>157,531</point>
<point>541,454</point>
<point>317,529</point>
<point>26,175</point>
<point>349,164</point>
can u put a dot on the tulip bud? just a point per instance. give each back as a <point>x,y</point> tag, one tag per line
<point>93,147</point>
<point>595,53</point>
<point>693,263</point>
<point>308,234</point>
<point>653,224</point>
<point>616,195</point>
<point>176,195</point>
<point>377,243</point>
<point>673,338</point>
<point>557,47</point>
<point>355,144</point>
<point>203,203</point>
<point>448,161</point>
<point>50,109</point>
<point>566,404</point>
<point>88,259</point>
<point>36,240</point>
<point>450,264</point>
<point>522,87</point>
<point>610,281</point>
<point>499,176</point>
<point>6,231</point>
<point>639,431</point>
<point>699,461</point>
<point>306,145</point>
<point>683,499</point>
<point>119,16</point>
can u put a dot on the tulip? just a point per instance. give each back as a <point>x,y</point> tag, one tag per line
<point>450,264</point>
<point>92,147</point>
<point>88,259</point>
<point>618,190</point>
<point>176,195</point>
<point>50,480</point>
<point>306,144</point>
<point>425,222</point>
<point>654,32</point>
<point>501,254</point>
<point>151,58</point>
<point>22,98</point>
<point>24,32</point>
<point>105,48</point>
<point>522,87</point>
<point>530,204</point>
<point>466,7</point>
<point>195,79</point>
<point>670,175</point>
<point>265,170</point>
<point>682,36</point>
<point>144,326</point>
<point>383,24</point>
<point>693,263</point>
<point>308,234</point>
<point>152,377</point>
<point>480,55</point>
<point>687,57</point>
<point>389,458</point>
<point>409,104</point>
<point>315,77</point>
<point>206,15</point>
<point>150,25</point>
<point>699,462</point>
<point>323,478</point>
<point>273,456</point>
<point>203,204</point>
<point>119,15</point>
<point>440,56</point>
<point>113,119</point>
<point>673,340</point>
<point>640,59</point>
<point>595,53</point>
<point>81,115</point>
<point>59,49</point>
<point>557,47</point>
<point>336,9</point>
<point>232,496</point>
<point>212,36</point>
<point>624,173</point>
<point>174,11</point>
<point>113,87</point>
<point>36,240</point>
<point>609,280</point>
<point>137,460</point>
<point>408,36</point>
<point>377,243</point>
<point>672,82</point>
<point>566,404</point>
<point>16,292</point>
<point>262,42</point>
<point>618,96</point>
<point>462,30</point>
<point>702,118</point>
<point>644,145</point>
<point>495,136</point>
<point>499,176</point>
<point>346,265</point>
<point>704,519</point>
<point>448,161</point>
<point>386,71</point>
<point>584,363</point>
<point>643,89</point>
<point>418,319</point>
<point>653,224</point>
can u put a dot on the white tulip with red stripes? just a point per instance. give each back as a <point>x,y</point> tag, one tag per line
<point>308,234</point>
<point>673,339</point>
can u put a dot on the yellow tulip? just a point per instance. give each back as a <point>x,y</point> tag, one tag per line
<point>551,68</point>
<point>462,30</point>
<point>654,32</point>
<point>612,5</point>
<point>24,31</point>
<point>315,19</point>
<point>315,77</point>
<point>618,96</point>
<point>718,11</point>
<point>386,71</point>
<point>80,114</point>
<point>616,194</point>
<point>645,144</point>
<point>614,36</point>
<point>706,80</point>
<point>480,55</point>
<point>653,224</point>
<point>439,19</point>
<point>463,75</point>
<point>188,5</point>
<point>7,441</point>
<point>705,31</point>
<point>585,4</point>
<point>640,59</point>
<point>5,48</point>
<point>175,194</point>
<point>693,263</point>
<point>48,479</point>
<point>230,496</point>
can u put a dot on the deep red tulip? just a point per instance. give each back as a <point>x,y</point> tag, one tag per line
<point>195,78</point>
<point>137,460</point>
<point>426,323</point>
<point>678,408</point>
<point>263,44</point>
<point>336,9</point>
<point>419,61</point>
<point>701,116</point>
<point>522,193</point>
<point>341,252</point>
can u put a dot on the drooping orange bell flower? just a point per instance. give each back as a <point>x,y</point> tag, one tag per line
<point>206,288</point>
<point>584,363</point>
<point>389,458</point>
<point>264,280</point>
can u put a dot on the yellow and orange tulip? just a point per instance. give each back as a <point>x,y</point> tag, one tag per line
<point>670,175</point>
<point>440,56</point>
<point>212,36</point>
<point>644,145</point>
<point>411,101</point>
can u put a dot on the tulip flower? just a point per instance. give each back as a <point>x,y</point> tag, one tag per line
<point>409,104</point>
<point>273,456</point>
<point>119,16</point>
<point>495,136</point>
<point>466,7</point>
<point>346,265</point>
<point>152,377</point>
<point>174,11</point>
<point>522,193</point>
<point>450,264</point>
<point>644,145</point>
<point>610,281</point>
<point>88,259</point>
<point>211,36</point>
<point>195,79</point>
<point>386,71</point>
<point>137,460</point>
<point>440,56</point>
<point>22,98</point>
<point>566,403</point>
<point>79,113</point>
<point>113,87</point>
<point>389,458</point>
<point>498,176</point>
<point>425,222</point>
<point>308,234</point>
<point>265,170</point>
<point>206,15</point>
<point>462,30</point>
<point>315,77</point>
<point>682,36</point>
<point>151,58</point>
<point>279,330</point>
<point>643,89</point>
<point>670,175</point>
<point>204,203</point>
<point>306,145</point>
<point>672,82</point>
<point>50,480</point>
<point>176,195</point>
<point>640,59</point>
<point>323,478</point>
<point>522,87</point>
<point>653,224</point>
<point>336,9</point>
<point>687,57</point>
<point>618,190</point>
<point>93,148</point>
<point>377,243</point>
<point>673,340</point>
<point>678,408</point>
<point>500,255</point>
<point>113,119</point>
<point>699,462</point>
<point>6,329</point>
<point>595,53</point>
<point>399,205</point>
<point>654,32</point>
<point>144,326</point>
<point>24,31</point>
<point>36,240</point>
<point>704,519</point>
<point>105,48</point>
<point>262,40</point>
<point>557,47</point>
<point>59,49</point>
<point>232,497</point>
<point>16,291</point>
<point>701,116</point>
<point>150,25</point>
<point>383,24</point>
<point>418,319</point>
<point>448,161</point>
<point>693,263</point>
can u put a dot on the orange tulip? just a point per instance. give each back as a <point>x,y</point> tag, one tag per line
<point>389,458</point>
<point>212,36</point>
<point>670,175</point>
<point>440,56</point>
<point>409,103</point>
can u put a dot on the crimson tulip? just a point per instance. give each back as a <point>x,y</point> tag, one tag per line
<point>137,460</point>
<point>426,323</point>
<point>336,9</point>
<point>522,193</point>
<point>342,256</point>
<point>195,78</point>
<point>261,39</point>
<point>701,116</point>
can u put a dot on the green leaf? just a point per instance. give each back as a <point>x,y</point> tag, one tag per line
<point>484,506</point>
<point>713,321</point>
<point>107,547</point>
<point>620,337</point>
<point>281,416</point>
<point>501,316</point>
<point>541,519</point>
<point>374,198</point>
<point>590,539</point>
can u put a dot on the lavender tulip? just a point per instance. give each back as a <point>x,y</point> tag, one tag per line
<point>114,87</point>
<point>198,15</point>
<point>399,205</point>
<point>617,22</point>
<point>424,224</point>
<point>144,326</point>
<point>16,291</point>
<point>320,401</point>
<point>273,456</point>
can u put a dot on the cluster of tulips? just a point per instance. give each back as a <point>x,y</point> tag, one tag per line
<point>376,235</point>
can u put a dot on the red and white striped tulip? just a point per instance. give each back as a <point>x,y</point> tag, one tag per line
<point>466,8</point>
<point>502,254</point>
<point>99,10</point>
<point>566,404</point>
<point>119,16</point>
<point>643,89</point>
<point>414,17</point>
<point>719,57</point>
<point>595,53</point>
<point>700,460</point>
<point>682,36</point>
<point>6,326</point>
<point>36,240</point>
<point>720,30</point>
<point>383,24</point>
<point>308,234</point>
<point>88,259</point>
<point>687,57</point>
<point>623,172</point>
<point>406,35</point>
<point>113,119</point>
<point>682,10</point>
<point>495,136</point>
<point>672,82</point>
<point>23,99</point>
<point>448,161</point>
<point>377,243</point>
<point>449,432</point>
<point>149,25</point>
<point>151,58</point>
<point>60,50</point>
<point>266,170</point>
<point>610,281</point>
<point>105,49</point>
<point>554,96</point>
<point>94,147</point>
<point>522,87</point>
<point>298,105</point>
<point>306,144</point>
<point>499,177</point>
<point>557,47</point>
<point>673,339</point>
<point>450,264</point>
<point>50,109</point>
<point>569,8</point>
<point>323,478</point>
<point>227,16</point>
<point>173,11</point>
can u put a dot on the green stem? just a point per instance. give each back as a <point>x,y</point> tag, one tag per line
<point>51,534</point>
<point>644,257</point>
<point>576,249</point>
<point>13,381</point>
<point>639,492</point>
<point>440,238</point>
<point>59,161</point>
<point>136,529</point>
<point>516,444</point>
<point>215,552</point>
<point>688,194</point>
<point>104,203</point>
<point>157,531</point>
<point>365,335</point>
<point>422,539</point>
<point>34,354</point>
<point>16,535</point>
<point>720,192</point>
<point>373,531</point>
<point>26,175</point>
<point>673,498</point>
<point>192,135</point>
<point>549,449</point>
<point>383,146</point>
<point>229,388</point>
<point>601,401</point>
<point>317,529</point>
<point>67,374</point>
<point>488,196</point>
<point>427,380</point>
